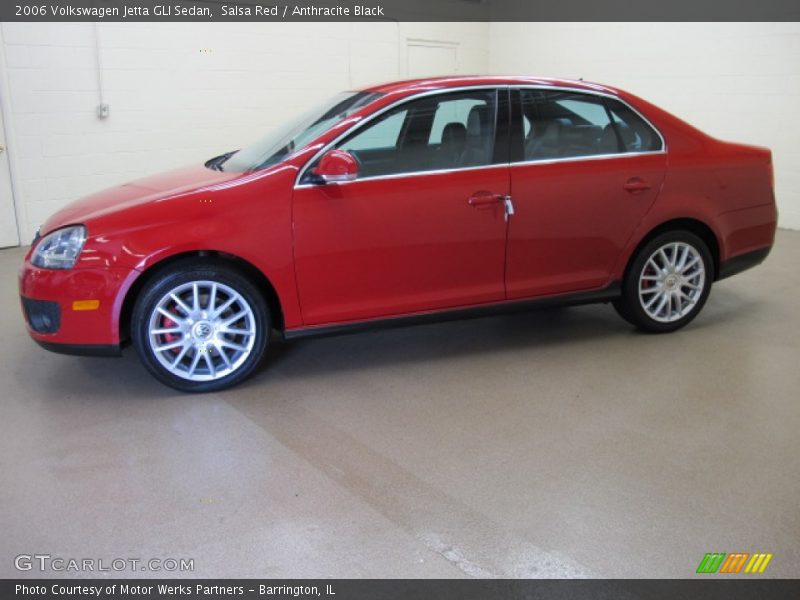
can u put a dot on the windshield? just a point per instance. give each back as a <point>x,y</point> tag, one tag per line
<point>295,134</point>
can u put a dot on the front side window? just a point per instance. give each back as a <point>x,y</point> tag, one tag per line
<point>563,124</point>
<point>384,134</point>
<point>443,131</point>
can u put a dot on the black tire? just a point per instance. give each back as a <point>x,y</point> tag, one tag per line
<point>630,307</point>
<point>203,272</point>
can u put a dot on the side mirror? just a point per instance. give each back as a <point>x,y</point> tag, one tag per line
<point>336,166</point>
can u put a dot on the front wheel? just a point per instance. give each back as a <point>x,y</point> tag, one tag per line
<point>200,327</point>
<point>667,282</point>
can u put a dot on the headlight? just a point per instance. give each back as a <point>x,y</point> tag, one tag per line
<point>60,249</point>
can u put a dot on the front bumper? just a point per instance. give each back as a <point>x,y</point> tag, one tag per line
<point>74,311</point>
<point>81,349</point>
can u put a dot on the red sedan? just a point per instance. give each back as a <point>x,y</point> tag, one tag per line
<point>403,202</point>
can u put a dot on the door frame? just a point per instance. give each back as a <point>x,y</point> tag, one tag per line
<point>10,139</point>
<point>501,137</point>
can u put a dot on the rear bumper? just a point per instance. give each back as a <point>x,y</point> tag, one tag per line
<point>74,311</point>
<point>745,261</point>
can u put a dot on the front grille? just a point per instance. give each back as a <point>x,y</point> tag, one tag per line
<point>42,315</point>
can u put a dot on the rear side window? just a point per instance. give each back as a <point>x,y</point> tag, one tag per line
<point>634,132</point>
<point>563,124</point>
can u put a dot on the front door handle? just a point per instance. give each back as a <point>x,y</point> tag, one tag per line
<point>484,199</point>
<point>635,185</point>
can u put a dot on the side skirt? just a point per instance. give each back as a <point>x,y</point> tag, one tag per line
<point>606,294</point>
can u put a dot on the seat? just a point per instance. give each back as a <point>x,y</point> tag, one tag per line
<point>630,140</point>
<point>454,142</point>
<point>543,140</point>
<point>479,138</point>
<point>608,140</point>
<point>609,143</point>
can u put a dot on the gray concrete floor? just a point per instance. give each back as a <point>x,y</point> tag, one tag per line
<point>557,443</point>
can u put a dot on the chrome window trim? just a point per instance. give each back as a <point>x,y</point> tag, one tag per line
<point>375,115</point>
<point>526,163</point>
<point>547,161</point>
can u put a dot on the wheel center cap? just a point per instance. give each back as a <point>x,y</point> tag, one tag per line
<point>202,330</point>
<point>671,282</point>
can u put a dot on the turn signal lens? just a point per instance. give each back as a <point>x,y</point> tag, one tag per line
<point>86,305</point>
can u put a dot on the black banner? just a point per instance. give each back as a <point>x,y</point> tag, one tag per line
<point>713,588</point>
<point>399,10</point>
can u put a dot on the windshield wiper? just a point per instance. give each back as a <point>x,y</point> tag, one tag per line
<point>216,162</point>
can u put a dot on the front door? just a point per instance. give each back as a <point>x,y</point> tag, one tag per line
<point>422,228</point>
<point>587,170</point>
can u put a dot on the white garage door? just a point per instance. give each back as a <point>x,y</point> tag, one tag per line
<point>8,220</point>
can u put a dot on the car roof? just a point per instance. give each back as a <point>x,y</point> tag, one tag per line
<point>411,85</point>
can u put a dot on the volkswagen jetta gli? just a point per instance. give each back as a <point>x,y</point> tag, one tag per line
<point>401,202</point>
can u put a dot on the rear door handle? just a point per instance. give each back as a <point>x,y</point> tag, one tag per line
<point>484,199</point>
<point>635,185</point>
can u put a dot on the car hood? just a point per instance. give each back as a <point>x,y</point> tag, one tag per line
<point>141,191</point>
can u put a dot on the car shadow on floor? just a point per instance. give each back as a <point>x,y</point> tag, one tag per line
<point>569,329</point>
<point>429,341</point>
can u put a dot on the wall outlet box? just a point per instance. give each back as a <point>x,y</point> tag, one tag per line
<point>103,111</point>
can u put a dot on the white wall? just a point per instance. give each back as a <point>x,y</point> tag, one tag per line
<point>736,81</point>
<point>179,93</point>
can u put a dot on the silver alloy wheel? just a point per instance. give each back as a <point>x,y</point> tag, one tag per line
<point>671,282</point>
<point>202,330</point>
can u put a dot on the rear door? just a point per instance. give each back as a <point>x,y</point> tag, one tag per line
<point>423,227</point>
<point>585,170</point>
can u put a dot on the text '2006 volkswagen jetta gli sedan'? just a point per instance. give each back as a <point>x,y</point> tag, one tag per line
<point>403,202</point>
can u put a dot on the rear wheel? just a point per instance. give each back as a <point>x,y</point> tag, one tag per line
<point>200,327</point>
<point>667,282</point>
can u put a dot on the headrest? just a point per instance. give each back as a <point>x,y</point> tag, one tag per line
<point>477,120</point>
<point>628,135</point>
<point>454,133</point>
<point>608,141</point>
<point>551,132</point>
